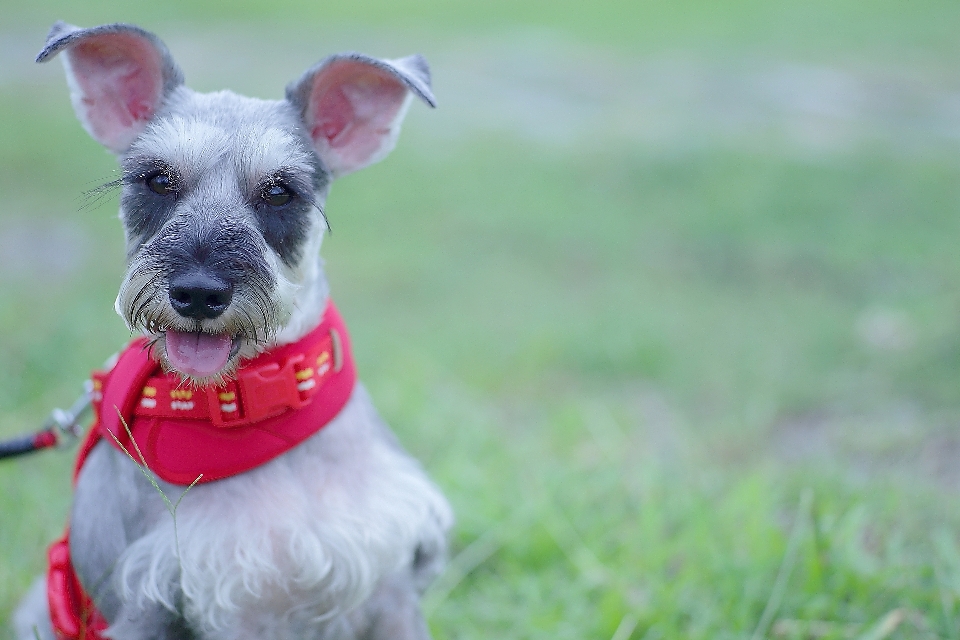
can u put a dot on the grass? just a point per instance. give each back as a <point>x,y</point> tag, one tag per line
<point>690,391</point>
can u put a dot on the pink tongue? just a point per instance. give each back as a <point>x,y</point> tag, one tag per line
<point>199,355</point>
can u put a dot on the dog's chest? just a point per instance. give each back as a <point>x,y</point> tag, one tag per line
<point>306,535</point>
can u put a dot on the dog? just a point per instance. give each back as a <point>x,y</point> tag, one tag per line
<point>333,534</point>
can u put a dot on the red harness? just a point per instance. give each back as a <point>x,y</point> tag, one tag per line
<point>184,435</point>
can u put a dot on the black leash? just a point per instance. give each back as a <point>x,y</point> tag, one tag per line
<point>62,428</point>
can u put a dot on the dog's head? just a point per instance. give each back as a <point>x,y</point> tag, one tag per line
<point>222,195</point>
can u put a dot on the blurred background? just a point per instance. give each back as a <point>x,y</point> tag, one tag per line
<point>666,297</point>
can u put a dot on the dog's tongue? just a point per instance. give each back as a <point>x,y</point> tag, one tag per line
<point>199,355</point>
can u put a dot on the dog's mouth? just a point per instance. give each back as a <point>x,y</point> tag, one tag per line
<point>200,355</point>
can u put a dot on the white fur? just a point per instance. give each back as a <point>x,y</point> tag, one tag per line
<point>278,551</point>
<point>308,298</point>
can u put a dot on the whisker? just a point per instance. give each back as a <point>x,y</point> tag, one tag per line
<point>150,345</point>
<point>252,325</point>
<point>91,198</point>
<point>323,214</point>
<point>142,290</point>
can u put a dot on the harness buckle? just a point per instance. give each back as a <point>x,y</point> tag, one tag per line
<point>263,392</point>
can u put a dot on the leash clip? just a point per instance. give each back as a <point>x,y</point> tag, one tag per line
<point>61,429</point>
<point>65,423</point>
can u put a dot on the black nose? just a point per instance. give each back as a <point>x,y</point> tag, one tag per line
<point>198,295</point>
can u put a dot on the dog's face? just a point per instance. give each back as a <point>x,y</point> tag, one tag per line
<point>221,195</point>
<point>221,203</point>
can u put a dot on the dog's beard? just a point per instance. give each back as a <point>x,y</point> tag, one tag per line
<point>205,351</point>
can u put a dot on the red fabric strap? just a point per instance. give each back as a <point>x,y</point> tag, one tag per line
<point>72,612</point>
<point>276,401</point>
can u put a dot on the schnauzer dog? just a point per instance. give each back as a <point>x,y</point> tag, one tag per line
<point>307,519</point>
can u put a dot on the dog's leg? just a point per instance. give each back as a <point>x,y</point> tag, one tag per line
<point>97,533</point>
<point>392,612</point>
<point>115,504</point>
<point>32,618</point>
<point>152,623</point>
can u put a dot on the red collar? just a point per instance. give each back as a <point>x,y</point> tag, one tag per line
<point>275,402</point>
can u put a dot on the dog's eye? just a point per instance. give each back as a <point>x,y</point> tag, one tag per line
<point>162,184</point>
<point>276,195</point>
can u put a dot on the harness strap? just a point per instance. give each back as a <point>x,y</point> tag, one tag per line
<point>276,401</point>
<point>72,612</point>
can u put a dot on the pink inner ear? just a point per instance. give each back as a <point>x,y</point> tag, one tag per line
<point>352,109</point>
<point>333,114</point>
<point>120,82</point>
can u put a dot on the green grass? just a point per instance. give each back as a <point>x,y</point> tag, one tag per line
<point>625,365</point>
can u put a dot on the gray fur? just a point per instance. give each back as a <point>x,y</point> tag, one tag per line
<point>32,618</point>
<point>335,539</point>
<point>115,503</point>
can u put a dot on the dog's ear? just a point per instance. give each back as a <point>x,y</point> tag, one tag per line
<point>118,75</point>
<point>352,106</point>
